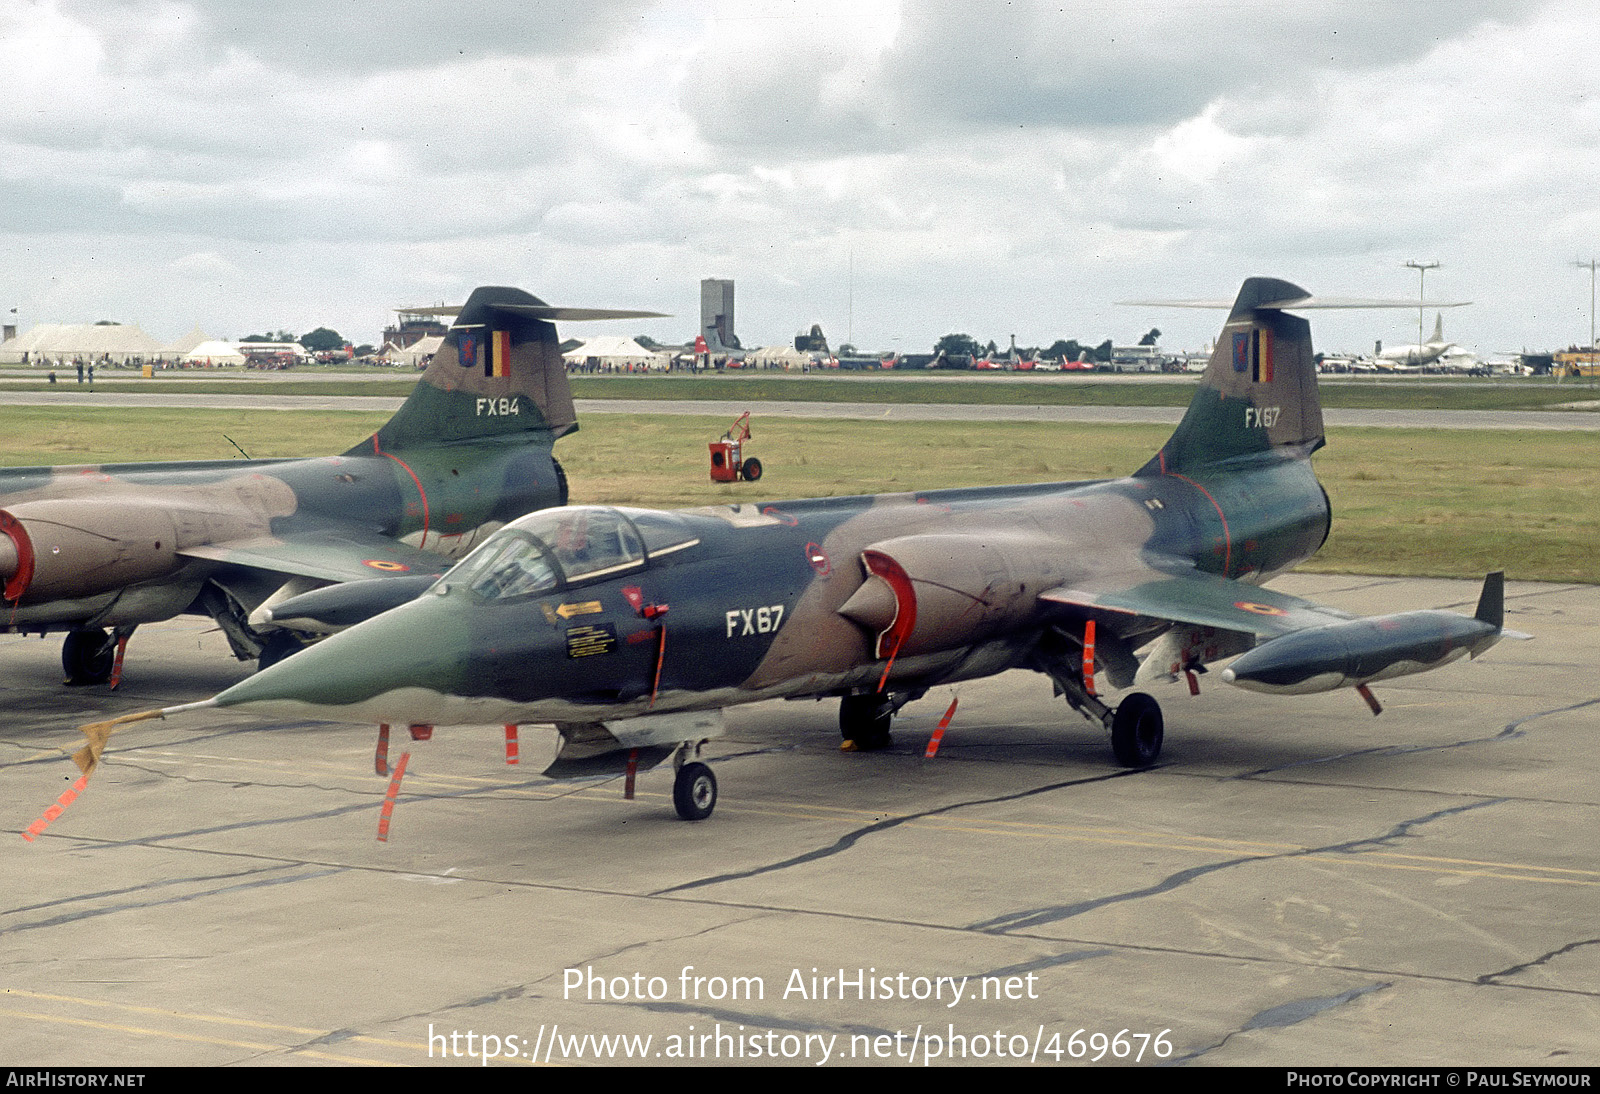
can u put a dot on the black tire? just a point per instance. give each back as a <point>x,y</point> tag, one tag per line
<point>87,657</point>
<point>278,645</point>
<point>694,792</point>
<point>751,470</point>
<point>864,721</point>
<point>1137,730</point>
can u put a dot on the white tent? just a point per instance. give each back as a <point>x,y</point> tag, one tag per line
<point>416,354</point>
<point>612,352</point>
<point>89,341</point>
<point>214,352</point>
<point>778,356</point>
<point>186,343</point>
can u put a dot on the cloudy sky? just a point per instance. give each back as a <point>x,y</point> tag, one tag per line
<point>894,171</point>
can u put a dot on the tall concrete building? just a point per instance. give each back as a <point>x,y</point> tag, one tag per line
<point>716,311</point>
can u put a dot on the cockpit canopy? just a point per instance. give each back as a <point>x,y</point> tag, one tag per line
<point>555,548</point>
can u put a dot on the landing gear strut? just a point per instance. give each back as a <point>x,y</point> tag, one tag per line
<point>1136,726</point>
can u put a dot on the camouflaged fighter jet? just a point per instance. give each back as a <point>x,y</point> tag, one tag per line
<point>630,630</point>
<point>96,551</point>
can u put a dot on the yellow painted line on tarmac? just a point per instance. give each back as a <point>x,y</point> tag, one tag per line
<point>215,1019</point>
<point>168,1035</point>
<point>1211,846</point>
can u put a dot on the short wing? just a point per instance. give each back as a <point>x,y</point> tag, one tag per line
<point>1186,595</point>
<point>328,554</point>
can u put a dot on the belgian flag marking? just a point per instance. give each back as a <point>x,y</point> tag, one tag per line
<point>499,360</point>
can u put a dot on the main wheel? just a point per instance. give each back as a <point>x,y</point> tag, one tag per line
<point>864,721</point>
<point>694,792</point>
<point>278,645</point>
<point>1137,730</point>
<point>751,470</point>
<point>87,656</point>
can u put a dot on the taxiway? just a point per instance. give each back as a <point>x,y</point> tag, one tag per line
<point>1297,882</point>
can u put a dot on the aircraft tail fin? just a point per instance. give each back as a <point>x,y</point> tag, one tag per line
<point>1492,601</point>
<point>1438,327</point>
<point>1259,392</point>
<point>498,374</point>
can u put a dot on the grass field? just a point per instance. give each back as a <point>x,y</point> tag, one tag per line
<point>1423,393</point>
<point>1414,502</point>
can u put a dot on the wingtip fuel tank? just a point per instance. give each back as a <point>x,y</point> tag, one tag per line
<point>1362,651</point>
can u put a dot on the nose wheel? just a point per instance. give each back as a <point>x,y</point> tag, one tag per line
<point>694,791</point>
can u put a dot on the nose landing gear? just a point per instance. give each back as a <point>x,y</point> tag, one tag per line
<point>694,787</point>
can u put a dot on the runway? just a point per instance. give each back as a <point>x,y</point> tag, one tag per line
<point>905,412</point>
<point>1297,882</point>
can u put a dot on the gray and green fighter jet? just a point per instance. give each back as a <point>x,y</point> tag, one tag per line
<point>96,551</point>
<point>630,630</point>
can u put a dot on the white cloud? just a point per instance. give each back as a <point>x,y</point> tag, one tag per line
<point>995,166</point>
<point>204,266</point>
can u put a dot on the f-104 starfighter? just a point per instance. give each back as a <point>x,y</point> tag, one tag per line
<point>97,551</point>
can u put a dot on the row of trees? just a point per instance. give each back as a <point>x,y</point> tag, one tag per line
<point>954,345</point>
<point>321,340</point>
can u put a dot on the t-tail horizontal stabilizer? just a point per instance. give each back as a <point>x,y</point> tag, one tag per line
<point>1258,397</point>
<point>498,374</point>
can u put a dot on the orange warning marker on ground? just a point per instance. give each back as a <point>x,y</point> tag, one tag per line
<point>67,798</point>
<point>511,744</point>
<point>388,799</point>
<point>938,733</point>
<point>116,664</point>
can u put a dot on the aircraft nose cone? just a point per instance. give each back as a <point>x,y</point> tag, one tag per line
<point>385,669</point>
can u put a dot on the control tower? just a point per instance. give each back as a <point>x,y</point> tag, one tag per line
<point>716,312</point>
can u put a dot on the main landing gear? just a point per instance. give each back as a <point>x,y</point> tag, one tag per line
<point>1135,724</point>
<point>864,722</point>
<point>90,655</point>
<point>864,719</point>
<point>1137,730</point>
<point>278,645</point>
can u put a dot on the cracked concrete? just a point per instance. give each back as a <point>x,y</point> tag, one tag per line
<point>1298,883</point>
